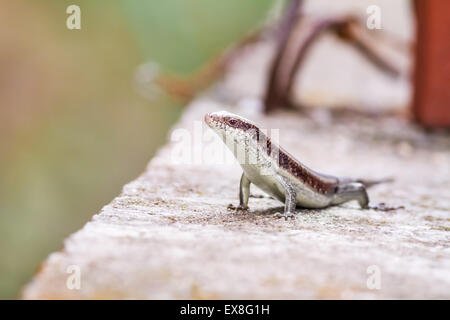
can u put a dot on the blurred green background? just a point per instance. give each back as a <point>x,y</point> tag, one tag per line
<point>73,130</point>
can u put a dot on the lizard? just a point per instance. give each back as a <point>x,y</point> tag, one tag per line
<point>279,174</point>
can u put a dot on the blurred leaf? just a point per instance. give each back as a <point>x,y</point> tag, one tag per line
<point>181,35</point>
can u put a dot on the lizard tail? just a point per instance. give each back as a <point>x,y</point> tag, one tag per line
<point>370,183</point>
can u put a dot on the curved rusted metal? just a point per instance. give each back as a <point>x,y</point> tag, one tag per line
<point>299,34</point>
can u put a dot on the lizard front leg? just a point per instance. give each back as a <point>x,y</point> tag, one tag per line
<point>244,192</point>
<point>290,195</point>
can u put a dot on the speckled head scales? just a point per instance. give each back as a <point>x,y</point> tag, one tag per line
<point>224,119</point>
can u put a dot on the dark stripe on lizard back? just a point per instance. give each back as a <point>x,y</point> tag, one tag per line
<point>320,183</point>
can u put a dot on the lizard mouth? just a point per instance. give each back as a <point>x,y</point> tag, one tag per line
<point>213,122</point>
<point>208,119</point>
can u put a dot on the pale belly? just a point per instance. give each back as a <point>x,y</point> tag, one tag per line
<point>269,183</point>
<point>266,182</point>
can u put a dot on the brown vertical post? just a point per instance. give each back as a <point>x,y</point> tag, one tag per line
<point>277,89</point>
<point>431,105</point>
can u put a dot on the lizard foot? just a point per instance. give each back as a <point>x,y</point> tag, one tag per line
<point>383,207</point>
<point>287,215</point>
<point>232,207</point>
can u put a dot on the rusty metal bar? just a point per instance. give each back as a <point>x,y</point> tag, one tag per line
<point>431,106</point>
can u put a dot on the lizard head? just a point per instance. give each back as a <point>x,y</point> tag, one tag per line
<point>231,127</point>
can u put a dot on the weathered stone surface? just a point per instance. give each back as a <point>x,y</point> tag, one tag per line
<point>169,233</point>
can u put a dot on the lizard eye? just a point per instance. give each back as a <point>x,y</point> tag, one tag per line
<point>232,122</point>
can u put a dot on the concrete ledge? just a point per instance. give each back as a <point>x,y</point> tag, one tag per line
<point>169,233</point>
